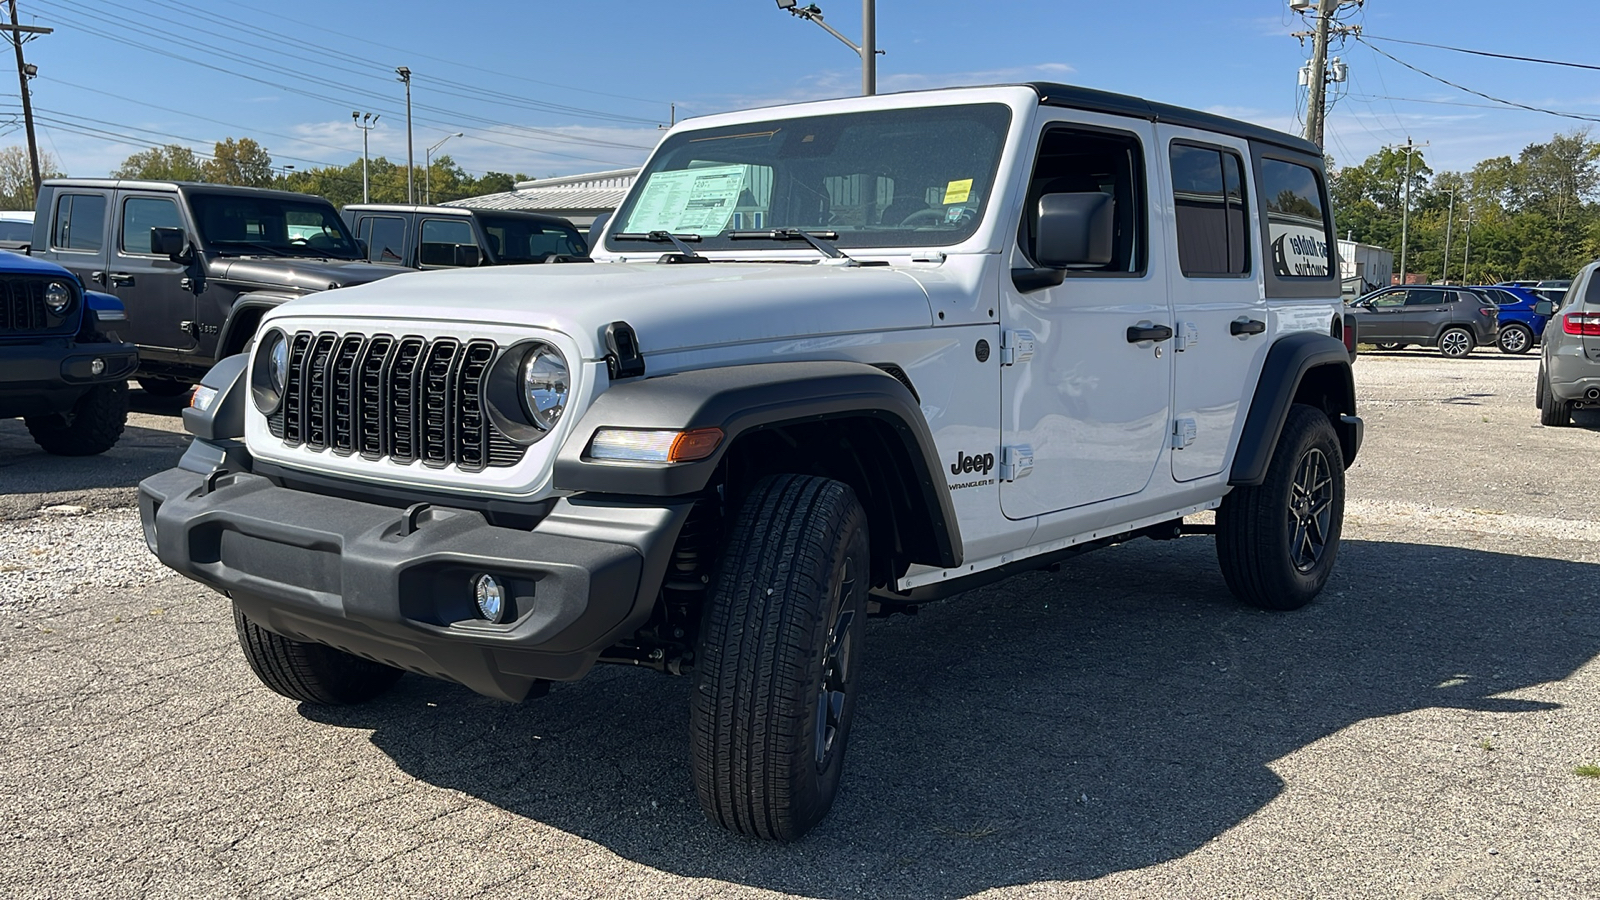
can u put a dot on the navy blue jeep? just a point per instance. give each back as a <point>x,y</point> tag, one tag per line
<point>62,368</point>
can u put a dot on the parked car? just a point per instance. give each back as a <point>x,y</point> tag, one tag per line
<point>1569,355</point>
<point>447,237</point>
<point>1455,320</point>
<point>196,265</point>
<point>833,357</point>
<point>1555,289</point>
<point>62,368</point>
<point>16,230</point>
<point>1520,325</point>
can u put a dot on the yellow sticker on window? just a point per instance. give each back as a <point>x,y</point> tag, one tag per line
<point>958,191</point>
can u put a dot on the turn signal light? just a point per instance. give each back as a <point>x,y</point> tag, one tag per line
<point>1584,323</point>
<point>657,446</point>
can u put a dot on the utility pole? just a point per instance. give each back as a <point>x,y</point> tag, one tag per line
<point>1318,73</point>
<point>1468,254</point>
<point>868,50</point>
<point>1449,222</point>
<point>1405,210</point>
<point>411,157</point>
<point>24,72</point>
<point>366,122</point>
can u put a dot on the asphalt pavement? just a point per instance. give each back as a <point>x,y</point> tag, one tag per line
<point>1120,728</point>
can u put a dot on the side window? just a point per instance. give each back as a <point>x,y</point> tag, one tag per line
<point>440,237</point>
<point>1082,160</point>
<point>386,239</point>
<point>80,222</point>
<point>1208,194</point>
<point>1296,220</point>
<point>1416,297</point>
<point>1389,300</point>
<point>140,214</point>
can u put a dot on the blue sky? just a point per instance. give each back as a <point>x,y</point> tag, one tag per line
<point>546,88</point>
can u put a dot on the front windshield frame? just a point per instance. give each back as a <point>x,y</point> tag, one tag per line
<point>930,172</point>
<point>333,241</point>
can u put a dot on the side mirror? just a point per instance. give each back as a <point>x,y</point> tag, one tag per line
<point>1544,308</point>
<point>467,255</point>
<point>1076,230</point>
<point>597,228</point>
<point>364,249</point>
<point>172,243</point>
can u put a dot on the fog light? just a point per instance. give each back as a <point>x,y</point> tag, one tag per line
<point>98,367</point>
<point>491,597</point>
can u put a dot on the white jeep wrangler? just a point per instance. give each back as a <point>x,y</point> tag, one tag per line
<point>828,360</point>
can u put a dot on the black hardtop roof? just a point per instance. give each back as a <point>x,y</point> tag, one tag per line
<point>457,211</point>
<point>1072,97</point>
<point>182,186</point>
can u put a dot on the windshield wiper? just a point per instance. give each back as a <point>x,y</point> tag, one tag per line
<point>251,244</point>
<point>817,239</point>
<point>664,237</point>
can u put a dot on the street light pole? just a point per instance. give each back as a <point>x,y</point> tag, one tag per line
<point>366,122</point>
<point>867,50</point>
<point>411,157</point>
<point>1467,255</point>
<point>427,168</point>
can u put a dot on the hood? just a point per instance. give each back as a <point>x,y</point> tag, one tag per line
<point>14,263</point>
<point>298,274</point>
<point>671,307</point>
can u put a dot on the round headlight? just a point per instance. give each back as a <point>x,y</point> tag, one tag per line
<point>58,296</point>
<point>269,371</point>
<point>546,386</point>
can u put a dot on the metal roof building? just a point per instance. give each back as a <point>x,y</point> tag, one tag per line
<point>579,198</point>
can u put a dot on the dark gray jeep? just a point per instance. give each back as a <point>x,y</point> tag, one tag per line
<point>195,265</point>
<point>1452,319</point>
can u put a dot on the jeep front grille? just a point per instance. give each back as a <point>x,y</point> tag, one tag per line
<point>22,306</point>
<point>407,398</point>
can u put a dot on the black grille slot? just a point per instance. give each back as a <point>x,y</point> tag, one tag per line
<point>406,398</point>
<point>22,305</point>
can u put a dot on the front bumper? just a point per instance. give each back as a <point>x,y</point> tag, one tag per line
<point>356,577</point>
<point>49,375</point>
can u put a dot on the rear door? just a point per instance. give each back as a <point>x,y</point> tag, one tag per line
<point>1221,316</point>
<point>1426,313</point>
<point>154,289</point>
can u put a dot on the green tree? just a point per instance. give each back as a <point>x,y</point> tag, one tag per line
<point>16,176</point>
<point>170,163</point>
<point>243,162</point>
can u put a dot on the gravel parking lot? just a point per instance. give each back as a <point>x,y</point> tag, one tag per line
<point>1120,728</point>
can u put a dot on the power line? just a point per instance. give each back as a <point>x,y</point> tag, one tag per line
<point>1532,59</point>
<point>1458,87</point>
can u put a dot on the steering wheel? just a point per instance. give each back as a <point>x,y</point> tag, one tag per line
<point>923,217</point>
<point>299,242</point>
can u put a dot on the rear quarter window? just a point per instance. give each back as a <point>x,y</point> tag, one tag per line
<point>1296,220</point>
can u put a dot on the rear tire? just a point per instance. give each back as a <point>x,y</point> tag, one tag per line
<point>1390,346</point>
<point>1456,343</point>
<point>1277,541</point>
<point>310,673</point>
<point>776,666</point>
<point>1515,339</point>
<point>1553,411</point>
<point>92,426</point>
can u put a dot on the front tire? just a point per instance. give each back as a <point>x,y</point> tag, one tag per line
<point>776,667</point>
<point>310,673</point>
<point>1390,345</point>
<point>1456,343</point>
<point>1277,541</point>
<point>1515,339</point>
<point>165,388</point>
<point>92,426</point>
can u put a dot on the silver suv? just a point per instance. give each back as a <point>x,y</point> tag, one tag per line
<point>1569,367</point>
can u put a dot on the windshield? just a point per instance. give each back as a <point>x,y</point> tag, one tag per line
<point>515,239</point>
<point>248,224</point>
<point>893,178</point>
<point>15,231</point>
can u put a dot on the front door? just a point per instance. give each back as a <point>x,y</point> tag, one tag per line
<point>77,236</point>
<point>1093,399</point>
<point>1382,320</point>
<point>154,289</point>
<point>1221,313</point>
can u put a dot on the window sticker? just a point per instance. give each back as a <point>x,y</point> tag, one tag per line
<point>957,191</point>
<point>688,201</point>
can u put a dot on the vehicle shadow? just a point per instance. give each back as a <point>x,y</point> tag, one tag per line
<point>1113,716</point>
<point>139,453</point>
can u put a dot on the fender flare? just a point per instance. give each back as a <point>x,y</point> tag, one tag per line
<point>1288,362</point>
<point>747,398</point>
<point>245,303</point>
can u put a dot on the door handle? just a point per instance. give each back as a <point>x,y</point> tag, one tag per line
<point>122,279</point>
<point>1144,331</point>
<point>1246,326</point>
<point>98,278</point>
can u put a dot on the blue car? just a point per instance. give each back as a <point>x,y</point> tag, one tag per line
<point>1520,326</point>
<point>62,367</point>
